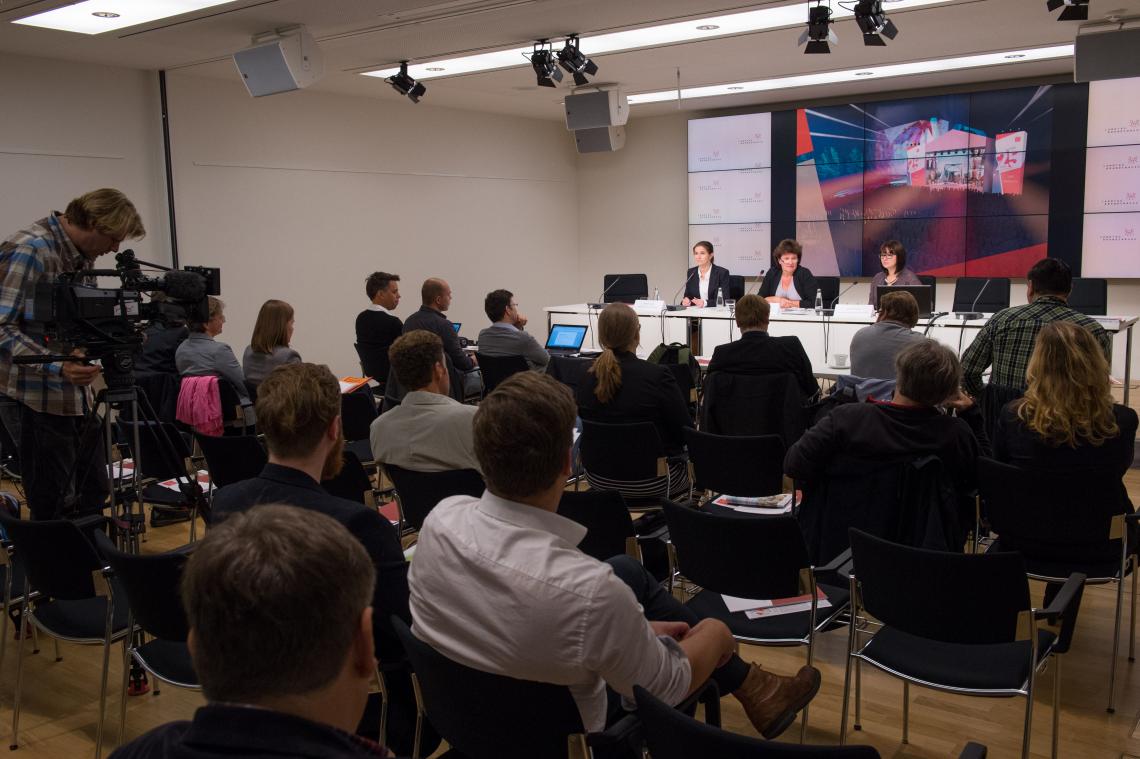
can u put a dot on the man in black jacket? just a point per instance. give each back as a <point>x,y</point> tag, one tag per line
<point>757,352</point>
<point>376,326</point>
<point>436,297</point>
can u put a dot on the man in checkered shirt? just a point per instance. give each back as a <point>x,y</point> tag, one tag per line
<point>1006,341</point>
<point>54,397</point>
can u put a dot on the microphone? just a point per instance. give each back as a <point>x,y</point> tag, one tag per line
<point>602,298</point>
<point>759,279</point>
<point>973,312</point>
<point>932,319</point>
<point>841,294</point>
<point>673,305</point>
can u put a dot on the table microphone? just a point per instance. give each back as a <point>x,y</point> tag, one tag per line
<point>673,304</point>
<point>973,312</point>
<point>841,294</point>
<point>602,298</point>
<point>759,279</point>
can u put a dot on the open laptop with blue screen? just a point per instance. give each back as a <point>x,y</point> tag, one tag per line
<point>455,326</point>
<point>565,339</point>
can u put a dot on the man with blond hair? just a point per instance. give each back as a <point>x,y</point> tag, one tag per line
<point>757,352</point>
<point>53,396</point>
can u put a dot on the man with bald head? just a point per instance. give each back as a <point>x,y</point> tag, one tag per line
<point>436,299</point>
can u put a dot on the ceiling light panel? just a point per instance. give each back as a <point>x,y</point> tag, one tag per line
<point>863,73</point>
<point>651,36</point>
<point>98,16</point>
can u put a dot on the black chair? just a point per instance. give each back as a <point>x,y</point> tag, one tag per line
<point>231,459</point>
<point>152,583</point>
<point>357,412</point>
<point>617,454</point>
<point>609,527</point>
<point>994,298</point>
<point>352,482</point>
<point>960,623</point>
<point>758,558</point>
<point>931,282</point>
<point>1089,296</point>
<point>11,576</point>
<point>754,404</point>
<point>1063,522</point>
<point>497,368</point>
<point>417,493</point>
<point>735,286</point>
<point>625,288</point>
<point>162,456</point>
<point>994,398</point>
<point>741,465</point>
<point>374,363</point>
<point>828,290</point>
<point>67,596</point>
<point>671,734</point>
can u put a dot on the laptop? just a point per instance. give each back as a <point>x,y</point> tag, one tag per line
<point>565,339</point>
<point>455,326</point>
<point>921,293</point>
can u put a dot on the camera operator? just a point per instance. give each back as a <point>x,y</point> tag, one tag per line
<point>54,396</point>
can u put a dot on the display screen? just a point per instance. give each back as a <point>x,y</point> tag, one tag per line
<point>1112,180</point>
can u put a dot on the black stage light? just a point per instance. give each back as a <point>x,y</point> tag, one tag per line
<point>405,85</point>
<point>545,65</point>
<point>818,33</point>
<point>574,62</point>
<point>873,22</point>
<point>1075,10</point>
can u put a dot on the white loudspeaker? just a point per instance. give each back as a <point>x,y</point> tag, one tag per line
<point>1106,55</point>
<point>600,140</point>
<point>590,110</point>
<point>290,62</point>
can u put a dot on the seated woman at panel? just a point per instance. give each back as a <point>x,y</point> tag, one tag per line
<point>705,279</point>
<point>200,354</point>
<point>269,347</point>
<point>620,388</point>
<point>787,284</point>
<point>892,257</point>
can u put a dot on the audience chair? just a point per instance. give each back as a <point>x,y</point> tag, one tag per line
<point>758,558</point>
<point>828,289</point>
<point>932,282</point>
<point>374,364</point>
<point>357,412</point>
<point>671,734</point>
<point>352,483</point>
<point>736,465</point>
<point>754,404</point>
<point>497,368</point>
<point>417,493</point>
<point>994,399</point>
<point>624,288</point>
<point>609,527</point>
<point>960,623</point>
<point>67,596</point>
<point>1065,522</point>
<point>994,298</point>
<point>12,578</point>
<point>232,459</point>
<point>162,455</point>
<point>151,584</point>
<point>614,454</point>
<point>1089,296</point>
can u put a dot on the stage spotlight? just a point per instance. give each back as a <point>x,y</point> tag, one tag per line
<point>871,19</point>
<point>405,85</point>
<point>818,33</point>
<point>574,62</point>
<point>1075,10</point>
<point>544,64</point>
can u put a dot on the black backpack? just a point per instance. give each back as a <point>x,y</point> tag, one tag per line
<point>679,355</point>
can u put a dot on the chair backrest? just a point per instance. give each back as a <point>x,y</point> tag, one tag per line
<point>497,368</point>
<point>232,459</point>
<point>753,404</point>
<point>828,289</point>
<point>488,716</point>
<point>162,450</point>
<point>994,298</point>
<point>373,361</point>
<point>161,391</point>
<point>743,465</point>
<point>622,451</point>
<point>357,412</point>
<point>951,597</point>
<point>735,286</point>
<point>672,734</point>
<point>606,518</point>
<point>352,482</point>
<point>420,492</point>
<point>1089,296</point>
<point>994,399</point>
<point>625,288</point>
<point>152,583</point>
<point>932,282</point>
<point>55,556</point>
<point>742,555</point>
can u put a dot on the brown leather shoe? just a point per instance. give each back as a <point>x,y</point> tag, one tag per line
<point>772,701</point>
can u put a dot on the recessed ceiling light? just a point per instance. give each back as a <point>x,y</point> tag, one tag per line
<point>777,17</point>
<point>435,68</point>
<point>848,75</point>
<point>98,16</point>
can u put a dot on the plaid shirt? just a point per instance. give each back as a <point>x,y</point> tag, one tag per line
<point>42,250</point>
<point>1006,342</point>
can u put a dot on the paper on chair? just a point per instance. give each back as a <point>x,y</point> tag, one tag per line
<point>203,482</point>
<point>781,503</point>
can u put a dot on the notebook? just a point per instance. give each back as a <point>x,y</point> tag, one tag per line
<point>566,339</point>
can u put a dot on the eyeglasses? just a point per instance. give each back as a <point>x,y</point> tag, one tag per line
<point>887,255</point>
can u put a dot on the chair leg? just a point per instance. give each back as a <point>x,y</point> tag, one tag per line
<point>1115,644</point>
<point>107,633</point>
<point>123,688</point>
<point>804,711</point>
<point>1056,703</point>
<point>419,716</point>
<point>55,642</point>
<point>906,712</point>
<point>19,675</point>
<point>1132,615</point>
<point>1025,741</point>
<point>858,696</point>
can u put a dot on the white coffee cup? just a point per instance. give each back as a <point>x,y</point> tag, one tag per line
<point>839,360</point>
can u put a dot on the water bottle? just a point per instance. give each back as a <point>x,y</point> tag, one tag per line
<point>818,301</point>
<point>720,297</point>
<point>656,293</point>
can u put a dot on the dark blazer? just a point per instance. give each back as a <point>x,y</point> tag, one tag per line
<point>648,393</point>
<point>159,348</point>
<point>375,333</point>
<point>718,277</point>
<point>434,321</point>
<point>757,352</point>
<point>802,278</point>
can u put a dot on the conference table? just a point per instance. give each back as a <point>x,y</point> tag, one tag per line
<point>824,335</point>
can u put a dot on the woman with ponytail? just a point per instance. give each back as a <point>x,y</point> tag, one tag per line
<point>620,388</point>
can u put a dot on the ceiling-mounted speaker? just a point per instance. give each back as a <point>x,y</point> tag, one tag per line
<point>590,110</point>
<point>1106,55</point>
<point>289,61</point>
<point>600,140</point>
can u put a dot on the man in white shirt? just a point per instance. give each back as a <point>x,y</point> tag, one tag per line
<point>498,584</point>
<point>505,336</point>
<point>429,431</point>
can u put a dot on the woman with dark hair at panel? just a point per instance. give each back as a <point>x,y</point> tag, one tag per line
<point>620,388</point>
<point>892,257</point>
<point>788,284</point>
<point>269,347</point>
<point>705,279</point>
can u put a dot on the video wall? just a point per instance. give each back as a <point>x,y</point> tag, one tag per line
<point>976,184</point>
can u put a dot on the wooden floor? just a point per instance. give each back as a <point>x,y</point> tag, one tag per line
<point>61,698</point>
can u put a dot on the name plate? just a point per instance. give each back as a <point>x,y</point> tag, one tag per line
<point>649,305</point>
<point>864,310</point>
